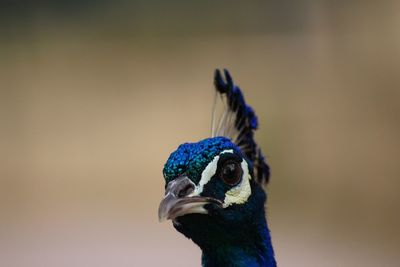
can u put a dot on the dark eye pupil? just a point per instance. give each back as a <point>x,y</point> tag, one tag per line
<point>229,170</point>
<point>231,173</point>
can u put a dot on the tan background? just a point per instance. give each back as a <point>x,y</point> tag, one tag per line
<point>94,97</point>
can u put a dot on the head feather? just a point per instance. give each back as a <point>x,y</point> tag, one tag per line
<point>238,122</point>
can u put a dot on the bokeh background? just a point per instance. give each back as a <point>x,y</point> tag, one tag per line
<point>94,96</point>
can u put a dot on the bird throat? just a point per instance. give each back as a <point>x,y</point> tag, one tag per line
<point>256,251</point>
<point>237,236</point>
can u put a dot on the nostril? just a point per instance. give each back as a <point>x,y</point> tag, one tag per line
<point>180,187</point>
<point>185,190</point>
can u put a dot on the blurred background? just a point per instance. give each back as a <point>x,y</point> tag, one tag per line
<point>95,95</point>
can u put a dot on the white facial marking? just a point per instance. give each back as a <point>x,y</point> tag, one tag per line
<point>208,173</point>
<point>240,193</point>
<point>236,195</point>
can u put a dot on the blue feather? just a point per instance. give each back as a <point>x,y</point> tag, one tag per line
<point>246,123</point>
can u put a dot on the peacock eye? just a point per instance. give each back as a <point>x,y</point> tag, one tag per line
<point>231,172</point>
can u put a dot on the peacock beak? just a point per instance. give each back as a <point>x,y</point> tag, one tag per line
<point>179,200</point>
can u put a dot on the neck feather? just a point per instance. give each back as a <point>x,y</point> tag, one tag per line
<point>256,251</point>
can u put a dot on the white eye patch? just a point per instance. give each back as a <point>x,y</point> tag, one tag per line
<point>208,173</point>
<point>236,195</point>
<point>240,193</point>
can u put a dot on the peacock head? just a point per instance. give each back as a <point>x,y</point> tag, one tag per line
<point>210,187</point>
<point>215,186</point>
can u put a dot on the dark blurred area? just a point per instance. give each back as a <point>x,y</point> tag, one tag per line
<point>94,95</point>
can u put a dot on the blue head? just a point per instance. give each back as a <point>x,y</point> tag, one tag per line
<point>214,193</point>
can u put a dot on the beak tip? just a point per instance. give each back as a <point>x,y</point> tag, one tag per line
<point>162,214</point>
<point>162,218</point>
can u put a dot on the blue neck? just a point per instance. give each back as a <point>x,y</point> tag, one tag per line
<point>257,251</point>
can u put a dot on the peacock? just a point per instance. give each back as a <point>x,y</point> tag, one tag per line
<point>214,189</point>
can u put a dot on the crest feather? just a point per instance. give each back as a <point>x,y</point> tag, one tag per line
<point>237,122</point>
